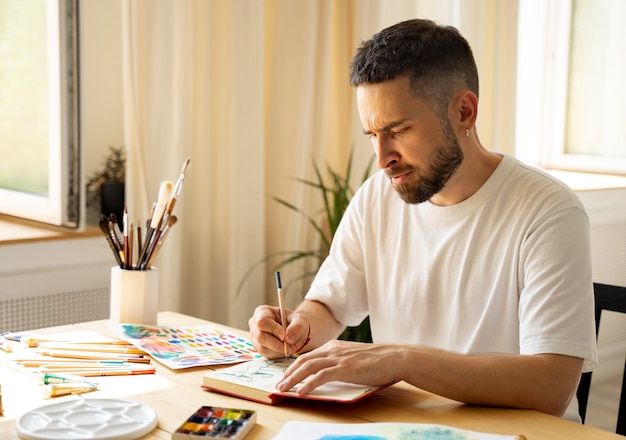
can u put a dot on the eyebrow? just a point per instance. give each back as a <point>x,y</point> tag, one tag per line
<point>387,127</point>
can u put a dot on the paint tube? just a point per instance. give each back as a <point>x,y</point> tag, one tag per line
<point>50,378</point>
<point>61,389</point>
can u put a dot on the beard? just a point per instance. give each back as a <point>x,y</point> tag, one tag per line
<point>424,184</point>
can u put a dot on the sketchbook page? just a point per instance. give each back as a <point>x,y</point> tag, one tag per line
<point>381,431</point>
<point>263,374</point>
<point>190,346</point>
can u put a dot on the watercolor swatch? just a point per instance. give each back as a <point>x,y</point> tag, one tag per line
<point>186,347</point>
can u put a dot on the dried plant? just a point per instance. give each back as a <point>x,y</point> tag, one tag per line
<point>113,169</point>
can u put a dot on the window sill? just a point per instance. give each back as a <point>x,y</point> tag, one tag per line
<point>14,230</point>
<point>579,181</point>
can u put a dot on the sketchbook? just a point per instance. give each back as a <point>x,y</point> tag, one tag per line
<point>256,380</point>
<point>382,431</point>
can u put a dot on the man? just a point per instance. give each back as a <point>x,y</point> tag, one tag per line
<point>477,278</point>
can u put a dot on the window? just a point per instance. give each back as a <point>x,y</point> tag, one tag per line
<point>39,171</point>
<point>570,112</point>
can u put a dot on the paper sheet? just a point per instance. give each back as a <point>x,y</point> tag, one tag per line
<point>380,431</point>
<point>186,347</point>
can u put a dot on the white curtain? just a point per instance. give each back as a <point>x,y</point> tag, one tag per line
<point>254,91</point>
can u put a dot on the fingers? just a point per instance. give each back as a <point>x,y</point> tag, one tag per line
<point>311,370</point>
<point>267,334</point>
<point>316,371</point>
<point>353,362</point>
<point>298,333</point>
<point>317,367</point>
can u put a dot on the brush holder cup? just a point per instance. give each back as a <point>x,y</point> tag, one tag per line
<point>134,296</point>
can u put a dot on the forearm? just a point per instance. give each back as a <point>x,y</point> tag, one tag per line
<point>324,326</point>
<point>542,382</point>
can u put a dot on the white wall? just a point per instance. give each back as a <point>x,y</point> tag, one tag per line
<point>100,80</point>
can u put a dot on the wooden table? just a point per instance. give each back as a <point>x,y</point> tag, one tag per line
<point>176,394</point>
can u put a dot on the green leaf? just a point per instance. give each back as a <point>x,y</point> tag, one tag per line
<point>335,193</point>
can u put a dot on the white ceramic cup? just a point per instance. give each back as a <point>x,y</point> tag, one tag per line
<point>134,296</point>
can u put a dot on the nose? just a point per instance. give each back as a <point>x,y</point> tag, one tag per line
<point>385,153</point>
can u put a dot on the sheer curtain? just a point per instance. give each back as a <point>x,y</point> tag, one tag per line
<point>254,91</point>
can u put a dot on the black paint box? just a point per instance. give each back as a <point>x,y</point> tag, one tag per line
<point>216,422</point>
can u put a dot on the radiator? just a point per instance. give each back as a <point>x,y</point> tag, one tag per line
<point>51,310</point>
<point>55,282</point>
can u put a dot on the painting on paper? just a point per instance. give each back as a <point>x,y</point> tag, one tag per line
<point>381,431</point>
<point>185,347</point>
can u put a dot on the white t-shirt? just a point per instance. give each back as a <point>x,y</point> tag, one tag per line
<point>507,270</point>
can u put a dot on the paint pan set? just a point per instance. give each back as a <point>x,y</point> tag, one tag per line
<point>216,422</point>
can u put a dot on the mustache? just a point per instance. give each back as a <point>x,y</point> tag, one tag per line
<point>397,170</point>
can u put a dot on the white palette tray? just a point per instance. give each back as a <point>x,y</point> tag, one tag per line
<point>98,419</point>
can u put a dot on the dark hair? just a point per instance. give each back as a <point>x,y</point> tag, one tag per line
<point>437,59</point>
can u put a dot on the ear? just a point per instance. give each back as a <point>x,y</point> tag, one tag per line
<point>466,109</point>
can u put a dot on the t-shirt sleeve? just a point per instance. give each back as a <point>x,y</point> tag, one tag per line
<point>556,308</point>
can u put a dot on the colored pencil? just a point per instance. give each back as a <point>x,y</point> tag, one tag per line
<point>129,349</point>
<point>95,373</point>
<point>90,355</point>
<point>92,367</point>
<point>71,363</point>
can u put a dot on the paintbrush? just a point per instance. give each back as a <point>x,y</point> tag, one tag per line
<point>281,306</point>
<point>171,221</point>
<point>179,186</point>
<point>165,193</point>
<point>104,227</point>
<point>177,189</point>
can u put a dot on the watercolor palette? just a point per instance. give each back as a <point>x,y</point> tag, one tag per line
<point>185,347</point>
<point>216,422</point>
<point>97,419</point>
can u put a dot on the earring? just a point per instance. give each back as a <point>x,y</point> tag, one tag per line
<point>467,132</point>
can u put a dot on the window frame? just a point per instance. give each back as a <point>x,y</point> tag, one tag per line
<point>61,206</point>
<point>544,30</point>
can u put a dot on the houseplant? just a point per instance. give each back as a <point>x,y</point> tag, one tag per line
<point>335,197</point>
<point>106,185</point>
